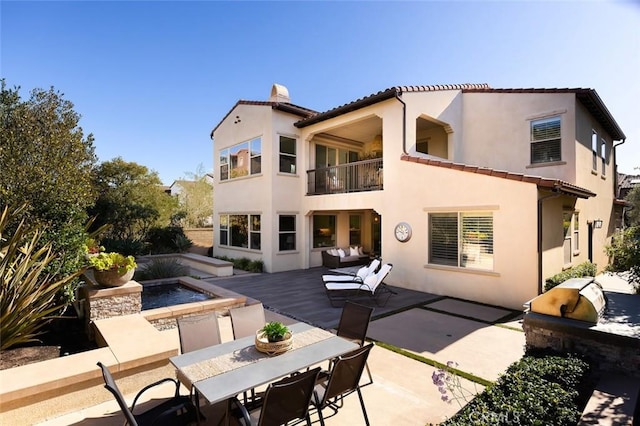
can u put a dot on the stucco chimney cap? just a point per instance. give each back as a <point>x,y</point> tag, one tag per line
<point>279,93</point>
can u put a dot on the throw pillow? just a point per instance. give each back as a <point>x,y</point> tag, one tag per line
<point>361,250</point>
<point>353,251</point>
<point>341,253</point>
<point>333,252</point>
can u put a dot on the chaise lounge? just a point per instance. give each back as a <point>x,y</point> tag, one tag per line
<point>373,286</point>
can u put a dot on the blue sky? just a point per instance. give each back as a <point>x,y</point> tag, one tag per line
<point>152,78</point>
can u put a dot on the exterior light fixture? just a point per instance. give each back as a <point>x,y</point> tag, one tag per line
<point>597,224</point>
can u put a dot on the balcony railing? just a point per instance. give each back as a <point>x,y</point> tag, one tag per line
<point>352,177</point>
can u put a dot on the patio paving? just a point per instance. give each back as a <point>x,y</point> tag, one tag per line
<point>435,327</point>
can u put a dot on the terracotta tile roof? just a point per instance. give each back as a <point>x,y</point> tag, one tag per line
<point>588,97</point>
<point>280,106</point>
<point>381,96</point>
<point>555,185</point>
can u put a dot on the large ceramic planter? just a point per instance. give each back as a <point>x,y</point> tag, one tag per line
<point>111,277</point>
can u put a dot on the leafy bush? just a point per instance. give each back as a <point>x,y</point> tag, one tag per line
<point>27,292</point>
<point>244,264</point>
<point>624,253</point>
<point>161,268</point>
<point>127,247</point>
<point>586,269</point>
<point>540,389</point>
<point>168,239</point>
<point>107,261</point>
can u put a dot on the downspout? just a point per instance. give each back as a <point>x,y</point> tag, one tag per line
<point>540,200</point>
<point>404,121</point>
<point>615,161</point>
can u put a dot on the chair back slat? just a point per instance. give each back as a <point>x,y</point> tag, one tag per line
<point>197,332</point>
<point>288,399</point>
<point>246,320</point>
<point>110,385</point>
<point>354,322</point>
<point>346,373</point>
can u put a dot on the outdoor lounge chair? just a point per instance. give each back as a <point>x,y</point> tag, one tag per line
<point>372,286</point>
<point>360,275</point>
<point>178,410</point>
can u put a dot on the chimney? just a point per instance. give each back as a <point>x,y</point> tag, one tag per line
<point>279,93</point>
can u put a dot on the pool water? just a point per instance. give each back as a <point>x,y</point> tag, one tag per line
<point>161,295</point>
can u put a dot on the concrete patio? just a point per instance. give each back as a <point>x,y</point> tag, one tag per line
<point>482,339</point>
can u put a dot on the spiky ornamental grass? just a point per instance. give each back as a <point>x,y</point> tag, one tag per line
<point>27,292</point>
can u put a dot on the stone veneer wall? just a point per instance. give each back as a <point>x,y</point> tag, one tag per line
<point>610,352</point>
<point>101,302</point>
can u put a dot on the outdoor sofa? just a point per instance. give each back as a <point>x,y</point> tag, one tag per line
<point>343,258</point>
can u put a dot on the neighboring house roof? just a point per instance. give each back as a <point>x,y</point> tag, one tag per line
<point>280,106</point>
<point>555,185</point>
<point>626,183</point>
<point>588,97</point>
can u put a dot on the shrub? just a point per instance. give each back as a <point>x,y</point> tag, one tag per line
<point>169,239</point>
<point>624,253</point>
<point>27,291</point>
<point>586,269</point>
<point>244,264</point>
<point>540,389</point>
<point>161,268</point>
<point>107,261</point>
<point>128,247</point>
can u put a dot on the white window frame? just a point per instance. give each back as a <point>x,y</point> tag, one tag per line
<point>286,233</point>
<point>253,148</point>
<point>289,158</point>
<point>542,132</point>
<point>475,250</point>
<point>253,225</point>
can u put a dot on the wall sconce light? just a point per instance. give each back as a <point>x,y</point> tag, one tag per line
<point>597,224</point>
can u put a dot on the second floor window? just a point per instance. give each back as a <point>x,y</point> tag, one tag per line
<point>594,150</point>
<point>240,160</point>
<point>603,155</point>
<point>545,140</point>
<point>287,155</point>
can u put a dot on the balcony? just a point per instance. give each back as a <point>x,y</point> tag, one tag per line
<point>358,176</point>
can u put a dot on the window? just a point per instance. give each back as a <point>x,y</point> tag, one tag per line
<point>594,149</point>
<point>287,155</point>
<point>355,231</point>
<point>545,140</point>
<point>241,160</point>
<point>287,232</point>
<point>603,155</point>
<point>240,230</point>
<point>566,225</point>
<point>576,232</point>
<point>462,240</point>
<point>324,231</point>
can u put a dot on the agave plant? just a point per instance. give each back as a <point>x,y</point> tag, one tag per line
<point>27,292</point>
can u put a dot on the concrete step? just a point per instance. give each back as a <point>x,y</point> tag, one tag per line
<point>613,401</point>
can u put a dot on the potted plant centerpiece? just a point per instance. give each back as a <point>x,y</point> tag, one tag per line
<point>112,269</point>
<point>274,338</point>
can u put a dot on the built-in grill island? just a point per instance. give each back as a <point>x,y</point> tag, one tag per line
<point>577,316</point>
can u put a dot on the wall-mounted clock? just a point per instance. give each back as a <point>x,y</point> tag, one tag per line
<point>403,232</point>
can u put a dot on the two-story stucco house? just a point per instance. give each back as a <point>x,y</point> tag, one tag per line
<point>497,188</point>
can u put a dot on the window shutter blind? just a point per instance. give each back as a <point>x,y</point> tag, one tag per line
<point>443,249</point>
<point>477,241</point>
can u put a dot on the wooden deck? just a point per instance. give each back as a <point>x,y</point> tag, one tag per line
<point>300,295</point>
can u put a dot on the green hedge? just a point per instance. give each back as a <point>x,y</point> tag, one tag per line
<point>586,269</point>
<point>244,264</point>
<point>540,389</point>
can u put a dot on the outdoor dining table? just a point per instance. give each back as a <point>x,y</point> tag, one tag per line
<point>223,371</point>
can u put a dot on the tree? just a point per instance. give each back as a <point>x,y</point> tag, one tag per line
<point>633,213</point>
<point>196,199</point>
<point>45,166</point>
<point>130,200</point>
